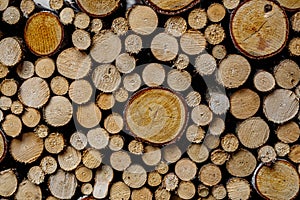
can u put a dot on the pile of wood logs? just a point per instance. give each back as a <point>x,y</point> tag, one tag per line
<point>152,99</point>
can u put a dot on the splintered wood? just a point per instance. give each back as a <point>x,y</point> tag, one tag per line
<point>141,100</point>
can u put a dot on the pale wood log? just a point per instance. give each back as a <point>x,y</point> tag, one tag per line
<point>293,46</point>
<point>31,117</point>
<point>162,167</point>
<point>56,4</point>
<point>11,51</point>
<point>59,85</point>
<point>79,140</point>
<point>35,32</point>
<point>264,81</point>
<point>62,184</point>
<point>142,20</point>
<point>201,115</point>
<point>231,4</point>
<point>219,157</point>
<point>259,28</point>
<point>88,115</point>
<point>197,18</point>
<point>172,153</point>
<point>267,154</point>
<point>98,8</point>
<point>230,142</point>
<point>28,190</point>
<point>132,82</point>
<point>136,147</point>
<point>172,7</point>
<point>186,190</point>
<point>58,112</point>
<point>233,71</point>
<point>192,42</point>
<point>214,34</point>
<point>295,21</point>
<point>96,25</point>
<point>106,78</point>
<point>217,126</point>
<point>116,142</point>
<point>281,105</point>
<point>210,174</point>
<point>175,26</point>
<point>12,125</point>
<point>135,176</point>
<point>83,174</point>
<point>92,158</point>
<point>54,143</point>
<point>120,26</point>
<point>120,160</point>
<point>81,20</point>
<point>218,102</point>
<point>4,70</point>
<point>162,194</point>
<point>105,101</point>
<point>5,103</point>
<point>241,164</point>
<point>195,134</point>
<point>8,183</point>
<point>98,138</point>
<point>28,149</point>
<point>69,159</point>
<point>253,132</point>
<point>203,190</point>
<point>170,182</point>
<point>288,132</point>
<point>66,15</point>
<point>113,123</point>
<point>80,91</point>
<point>289,4</point>
<point>9,87</point>
<point>119,191</point>
<point>86,188</point>
<point>278,181</point>
<point>125,63</point>
<point>287,74</point>
<point>73,64</point>
<point>282,149</point>
<point>219,191</point>
<point>294,153</point>
<point>48,164</point>
<point>198,153</point>
<point>154,179</point>
<point>219,51</point>
<point>106,46</point>
<point>216,12</point>
<point>3,5</point>
<point>153,74</point>
<point>179,80</point>
<point>151,156</point>
<point>11,15</point>
<point>182,61</point>
<point>133,44</point>
<point>121,95</point>
<point>81,39</point>
<point>44,67</point>
<point>16,107</point>
<point>193,99</point>
<point>24,69</point>
<point>103,177</point>
<point>205,64</point>
<point>36,175</point>
<point>244,103</point>
<point>141,194</point>
<point>3,146</point>
<point>185,169</point>
<point>238,189</point>
<point>164,47</point>
<point>211,141</point>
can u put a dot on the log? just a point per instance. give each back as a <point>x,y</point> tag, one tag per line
<point>198,153</point>
<point>203,190</point>
<point>5,103</point>
<point>86,188</point>
<point>172,153</point>
<point>141,194</point>
<point>192,42</point>
<point>195,134</point>
<point>4,70</point>
<point>116,142</point>
<point>170,182</point>
<point>81,20</point>
<point>103,177</point>
<point>280,106</point>
<point>27,149</point>
<point>48,164</point>
<point>241,164</point>
<point>88,115</point>
<point>211,141</point>
<point>146,117</point>
<point>185,169</point>
<point>197,18</point>
<point>11,15</point>
<point>113,123</point>
<point>56,4</point>
<point>287,74</point>
<point>252,24</point>
<point>151,155</point>
<point>281,149</point>
<point>210,174</point>
<point>120,26</point>
<point>24,70</point>
<point>69,159</point>
<point>11,51</point>
<point>201,115</point>
<point>80,91</point>
<point>132,82</point>
<point>289,5</point>
<point>120,160</point>
<point>59,85</point>
<point>218,102</point>
<point>162,194</point>
<point>125,63</point>
<point>216,12</point>
<point>54,143</point>
<point>219,157</point>
<point>34,34</point>
<point>186,190</point>
<point>217,126</point>
<point>91,158</point>
<point>238,188</point>
<point>28,190</point>
<point>280,180</point>
<point>105,101</point>
<point>230,142</point>
<point>62,184</point>
<point>264,81</point>
<point>219,51</point>
<point>205,64</point>
<point>231,4</point>
<point>98,138</point>
<point>66,15</point>
<point>175,26</point>
<point>267,154</point>
<point>182,61</point>
<point>193,99</point>
<point>81,39</point>
<point>79,140</point>
<point>133,44</point>
<point>219,191</point>
<point>3,147</point>
<point>154,179</point>
<point>214,34</point>
<point>36,175</point>
<point>253,132</point>
<point>244,103</point>
<point>295,22</point>
<point>96,25</point>
<point>118,191</point>
<point>8,183</point>
<point>294,153</point>
<point>153,75</point>
<point>44,67</point>
<point>293,46</point>
<point>83,174</point>
<point>172,7</point>
<point>288,132</point>
<point>12,125</point>
<point>136,147</point>
<point>135,176</point>
<point>98,8</point>
<point>164,47</point>
<point>31,117</point>
<point>233,71</point>
<point>121,95</point>
<point>3,5</point>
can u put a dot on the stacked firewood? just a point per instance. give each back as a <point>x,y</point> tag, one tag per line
<point>174,99</point>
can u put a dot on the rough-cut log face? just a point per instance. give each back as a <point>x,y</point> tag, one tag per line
<point>98,8</point>
<point>3,146</point>
<point>290,4</point>
<point>259,28</point>
<point>156,115</point>
<point>172,6</point>
<point>43,33</point>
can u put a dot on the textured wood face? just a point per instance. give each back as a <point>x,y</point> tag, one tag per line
<point>98,8</point>
<point>2,146</point>
<point>43,33</point>
<point>259,28</point>
<point>156,115</point>
<point>172,6</point>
